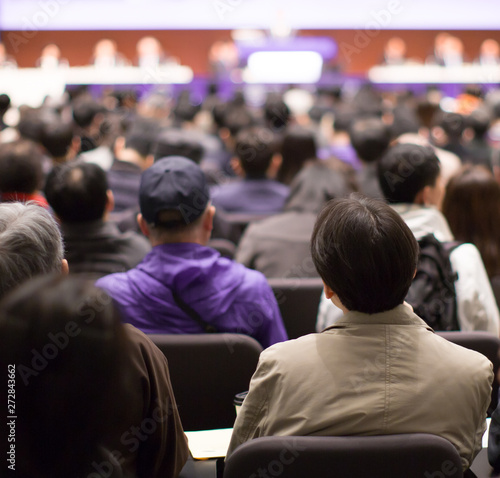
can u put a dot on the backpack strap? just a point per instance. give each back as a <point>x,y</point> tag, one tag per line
<point>208,328</point>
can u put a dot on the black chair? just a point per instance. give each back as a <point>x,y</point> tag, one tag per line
<point>231,226</point>
<point>482,342</point>
<point>207,371</point>
<point>224,246</point>
<point>298,300</point>
<point>389,456</point>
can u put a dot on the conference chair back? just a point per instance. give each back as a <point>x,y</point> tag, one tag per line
<point>207,371</point>
<point>298,300</point>
<point>388,456</point>
<point>482,342</point>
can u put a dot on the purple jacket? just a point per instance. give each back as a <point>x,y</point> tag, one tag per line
<point>226,294</point>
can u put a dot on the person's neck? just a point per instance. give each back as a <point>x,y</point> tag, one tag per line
<point>131,156</point>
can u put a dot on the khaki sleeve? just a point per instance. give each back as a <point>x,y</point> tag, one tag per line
<point>251,420</point>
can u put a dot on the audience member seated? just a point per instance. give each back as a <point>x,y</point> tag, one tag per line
<point>372,372</point>
<point>478,149</point>
<point>50,58</point>
<point>298,147</point>
<point>472,208</point>
<point>79,195</point>
<point>59,142</point>
<point>182,286</point>
<point>4,107</point>
<point>257,162</point>
<point>85,413</point>
<point>230,119</point>
<point>31,243</point>
<point>132,157</point>
<point>339,142</point>
<point>370,138</point>
<point>411,181</point>
<point>276,113</point>
<point>447,134</point>
<point>179,142</point>
<point>88,116</point>
<point>106,55</point>
<point>279,246</point>
<point>21,173</point>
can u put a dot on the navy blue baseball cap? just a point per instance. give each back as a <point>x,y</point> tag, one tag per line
<point>176,184</point>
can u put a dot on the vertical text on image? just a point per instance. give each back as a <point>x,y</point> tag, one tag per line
<point>11,417</point>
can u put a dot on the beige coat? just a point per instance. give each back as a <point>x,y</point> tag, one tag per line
<point>374,374</point>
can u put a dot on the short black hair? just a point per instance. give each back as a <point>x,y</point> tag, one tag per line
<point>479,121</point>
<point>85,110</point>
<point>4,103</point>
<point>20,167</point>
<point>365,253</point>
<point>57,137</point>
<point>405,170</point>
<point>276,112</point>
<point>237,118</point>
<point>453,124</point>
<point>177,142</point>
<point>77,192</point>
<point>370,137</point>
<point>255,148</point>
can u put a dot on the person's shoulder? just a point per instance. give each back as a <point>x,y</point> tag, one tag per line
<point>288,353</point>
<point>469,361</point>
<point>114,283</point>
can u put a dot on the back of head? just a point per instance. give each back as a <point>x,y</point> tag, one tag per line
<point>69,347</point>
<point>479,121</point>
<point>405,170</point>
<point>173,194</point>
<point>30,244</point>
<point>314,186</point>
<point>299,145</point>
<point>370,137</point>
<point>276,113</point>
<point>453,125</point>
<point>255,148</point>
<point>85,110</point>
<point>4,103</point>
<point>77,192</point>
<point>472,208</point>
<point>30,124</point>
<point>56,138</point>
<point>365,253</point>
<point>237,118</point>
<point>20,167</point>
<point>177,142</point>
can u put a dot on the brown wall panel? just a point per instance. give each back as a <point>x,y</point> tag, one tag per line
<point>358,50</point>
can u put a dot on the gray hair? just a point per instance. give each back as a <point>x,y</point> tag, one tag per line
<point>30,244</point>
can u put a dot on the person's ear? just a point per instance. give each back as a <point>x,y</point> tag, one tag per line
<point>119,145</point>
<point>274,166</point>
<point>110,201</point>
<point>237,168</point>
<point>143,225</point>
<point>148,162</point>
<point>64,267</point>
<point>208,220</point>
<point>328,292</point>
<point>421,196</point>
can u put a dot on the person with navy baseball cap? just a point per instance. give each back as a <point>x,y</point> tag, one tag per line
<point>183,286</point>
